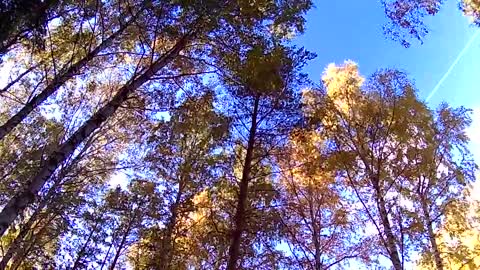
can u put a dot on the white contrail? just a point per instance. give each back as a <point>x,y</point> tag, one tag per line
<point>460,55</point>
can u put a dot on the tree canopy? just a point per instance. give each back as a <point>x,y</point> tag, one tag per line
<point>181,134</point>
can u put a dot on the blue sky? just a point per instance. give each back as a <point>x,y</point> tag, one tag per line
<point>338,30</point>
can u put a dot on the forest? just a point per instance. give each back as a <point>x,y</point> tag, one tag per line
<point>186,135</point>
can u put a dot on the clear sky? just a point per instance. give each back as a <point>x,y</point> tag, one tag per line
<point>338,30</point>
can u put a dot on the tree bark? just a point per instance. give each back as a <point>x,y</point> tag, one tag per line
<point>166,250</point>
<point>63,76</point>
<point>81,253</point>
<point>239,218</point>
<point>20,201</point>
<point>106,256</point>
<point>316,238</point>
<point>431,236</point>
<point>122,242</point>
<point>14,247</point>
<point>387,228</point>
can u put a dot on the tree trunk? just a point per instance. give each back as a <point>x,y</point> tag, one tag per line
<point>387,228</point>
<point>81,253</point>
<point>16,245</point>
<point>166,250</point>
<point>63,76</point>
<point>431,236</point>
<point>20,201</point>
<point>239,218</point>
<point>13,248</point>
<point>106,256</point>
<point>122,243</point>
<point>316,238</point>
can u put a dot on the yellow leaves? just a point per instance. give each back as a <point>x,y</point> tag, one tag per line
<point>201,198</point>
<point>471,9</point>
<point>458,240</point>
<point>306,142</point>
<point>304,164</point>
<point>343,83</point>
<point>343,99</point>
<point>200,201</point>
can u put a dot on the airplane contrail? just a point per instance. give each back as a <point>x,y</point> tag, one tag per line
<point>452,66</point>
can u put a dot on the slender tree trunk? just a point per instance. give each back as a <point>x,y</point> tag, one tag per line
<point>166,250</point>
<point>14,81</point>
<point>316,239</point>
<point>20,201</point>
<point>63,76</point>
<point>106,256</point>
<point>431,236</point>
<point>387,228</point>
<point>122,243</point>
<point>14,247</point>
<point>239,218</point>
<point>81,253</point>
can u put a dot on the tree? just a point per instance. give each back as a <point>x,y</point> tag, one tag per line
<point>188,29</point>
<point>442,169</point>
<point>69,70</point>
<point>261,83</point>
<point>407,17</point>
<point>459,240</point>
<point>196,109</point>
<point>394,154</point>
<point>320,226</point>
<point>182,160</point>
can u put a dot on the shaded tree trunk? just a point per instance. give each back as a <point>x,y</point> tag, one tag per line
<point>63,76</point>
<point>20,201</point>
<point>81,253</point>
<point>431,236</point>
<point>387,227</point>
<point>14,247</point>
<point>166,246</point>
<point>104,262</point>
<point>122,242</point>
<point>239,219</point>
<point>316,239</point>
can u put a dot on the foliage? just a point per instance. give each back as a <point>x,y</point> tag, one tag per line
<point>185,134</point>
